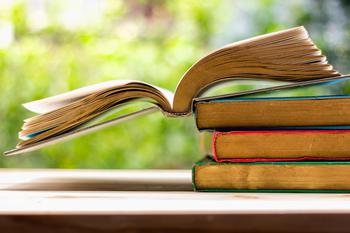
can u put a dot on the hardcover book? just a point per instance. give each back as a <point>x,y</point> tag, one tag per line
<point>273,112</point>
<point>288,55</point>
<point>209,175</point>
<point>277,145</point>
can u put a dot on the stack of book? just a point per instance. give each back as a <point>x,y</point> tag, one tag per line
<point>293,144</point>
<point>271,143</point>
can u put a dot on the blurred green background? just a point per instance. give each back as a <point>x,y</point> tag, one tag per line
<point>49,47</point>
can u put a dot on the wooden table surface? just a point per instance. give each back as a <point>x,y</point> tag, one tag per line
<point>155,201</point>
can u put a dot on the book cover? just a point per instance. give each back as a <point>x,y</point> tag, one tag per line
<point>277,145</point>
<point>316,176</point>
<point>273,112</point>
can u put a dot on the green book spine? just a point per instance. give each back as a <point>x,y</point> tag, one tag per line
<point>207,161</point>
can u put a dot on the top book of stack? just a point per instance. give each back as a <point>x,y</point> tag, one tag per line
<point>274,112</point>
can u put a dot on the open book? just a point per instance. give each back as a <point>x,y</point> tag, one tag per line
<point>288,55</point>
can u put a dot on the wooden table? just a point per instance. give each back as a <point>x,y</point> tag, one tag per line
<point>155,201</point>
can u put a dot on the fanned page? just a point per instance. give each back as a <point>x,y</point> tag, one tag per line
<point>70,110</point>
<point>61,100</point>
<point>288,55</point>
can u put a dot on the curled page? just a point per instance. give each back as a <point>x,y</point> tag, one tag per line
<point>58,101</point>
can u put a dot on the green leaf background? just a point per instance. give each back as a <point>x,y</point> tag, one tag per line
<point>49,47</point>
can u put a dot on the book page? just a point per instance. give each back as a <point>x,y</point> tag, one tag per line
<point>288,56</point>
<point>61,100</point>
<point>57,101</point>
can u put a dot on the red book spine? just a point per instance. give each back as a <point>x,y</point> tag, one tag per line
<point>216,135</point>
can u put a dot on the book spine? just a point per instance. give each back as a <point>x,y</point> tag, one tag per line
<point>234,180</point>
<point>218,134</point>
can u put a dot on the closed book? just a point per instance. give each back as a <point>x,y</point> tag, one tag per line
<point>316,176</point>
<point>273,112</point>
<point>277,145</point>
